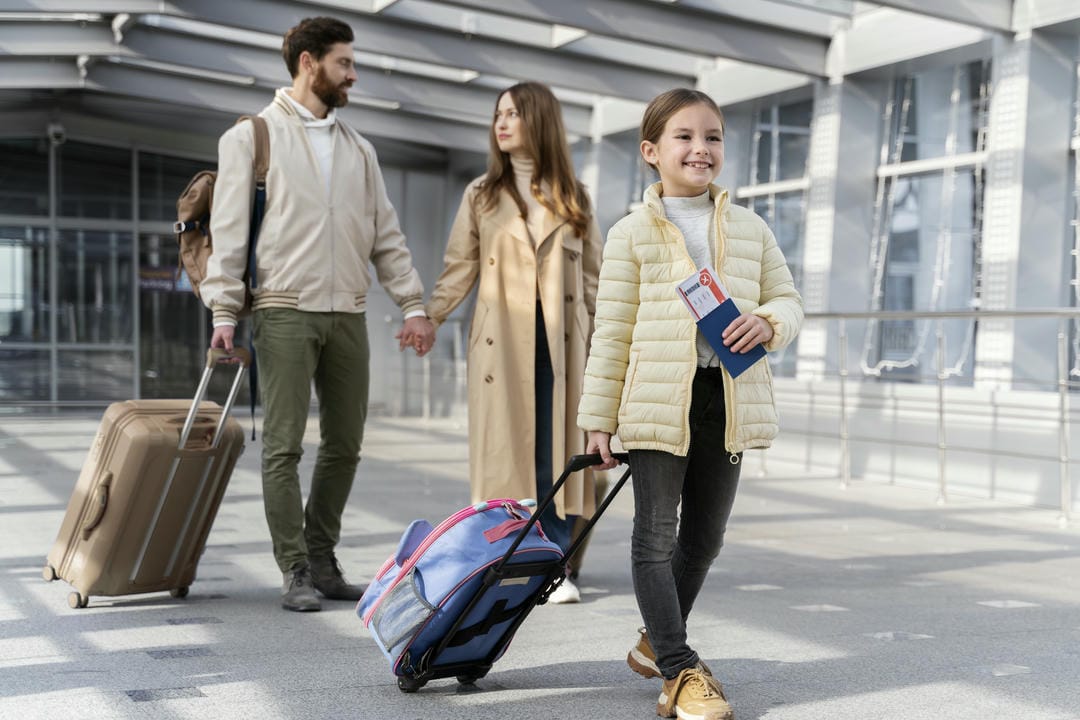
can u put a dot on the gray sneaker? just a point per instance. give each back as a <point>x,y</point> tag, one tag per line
<point>297,592</point>
<point>328,579</point>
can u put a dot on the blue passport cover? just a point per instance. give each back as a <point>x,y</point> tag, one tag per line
<point>712,326</point>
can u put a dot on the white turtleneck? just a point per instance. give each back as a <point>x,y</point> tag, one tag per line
<point>694,218</point>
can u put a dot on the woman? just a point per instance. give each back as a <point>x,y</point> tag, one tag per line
<point>525,235</point>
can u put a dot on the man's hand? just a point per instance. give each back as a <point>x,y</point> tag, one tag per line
<point>600,442</point>
<point>223,337</point>
<point>417,332</point>
<point>747,332</point>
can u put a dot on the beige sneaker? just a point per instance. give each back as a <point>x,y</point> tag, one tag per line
<point>693,695</point>
<point>642,659</point>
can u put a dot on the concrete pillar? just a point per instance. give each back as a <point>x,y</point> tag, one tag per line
<point>1027,206</point>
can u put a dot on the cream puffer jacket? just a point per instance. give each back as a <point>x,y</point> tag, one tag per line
<point>643,359</point>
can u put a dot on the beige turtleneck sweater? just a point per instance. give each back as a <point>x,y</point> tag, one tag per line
<point>523,170</point>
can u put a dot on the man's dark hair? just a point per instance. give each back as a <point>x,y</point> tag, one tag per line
<point>315,35</point>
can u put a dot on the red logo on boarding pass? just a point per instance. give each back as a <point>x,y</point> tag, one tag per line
<point>707,280</point>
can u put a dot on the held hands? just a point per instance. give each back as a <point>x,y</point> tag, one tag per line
<point>746,332</point>
<point>600,442</point>
<point>416,332</point>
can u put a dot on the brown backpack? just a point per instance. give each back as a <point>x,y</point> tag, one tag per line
<point>193,209</point>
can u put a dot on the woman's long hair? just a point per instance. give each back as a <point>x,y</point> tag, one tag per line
<point>544,140</point>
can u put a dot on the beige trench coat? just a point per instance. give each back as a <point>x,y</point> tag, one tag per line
<point>493,247</point>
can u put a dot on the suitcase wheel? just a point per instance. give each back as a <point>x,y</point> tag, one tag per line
<point>49,573</point>
<point>76,601</point>
<point>180,592</point>
<point>409,685</point>
<point>468,679</point>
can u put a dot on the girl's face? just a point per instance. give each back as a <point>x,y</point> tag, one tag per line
<point>690,151</point>
<point>507,126</point>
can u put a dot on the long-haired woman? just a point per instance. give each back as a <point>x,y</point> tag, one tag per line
<point>525,236</point>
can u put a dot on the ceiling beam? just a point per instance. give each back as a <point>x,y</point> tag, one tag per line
<point>680,28</point>
<point>988,14</point>
<point>418,42</point>
<point>202,95</point>
<point>414,93</point>
<point>34,73</point>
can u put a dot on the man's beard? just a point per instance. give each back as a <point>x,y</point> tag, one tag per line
<point>333,96</point>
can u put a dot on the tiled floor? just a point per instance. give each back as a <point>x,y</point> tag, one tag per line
<point>826,603</point>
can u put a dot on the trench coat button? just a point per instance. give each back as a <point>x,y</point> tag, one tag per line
<point>573,255</point>
<point>566,337</point>
<point>491,341</point>
<point>491,261</point>
<point>569,298</point>
<point>489,379</point>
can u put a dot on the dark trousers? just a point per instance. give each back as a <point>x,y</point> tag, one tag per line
<point>556,528</point>
<point>670,556</point>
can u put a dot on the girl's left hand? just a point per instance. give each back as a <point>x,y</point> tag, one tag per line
<point>747,332</point>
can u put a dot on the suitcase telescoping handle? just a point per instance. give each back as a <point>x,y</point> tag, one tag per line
<point>215,356</point>
<point>575,464</point>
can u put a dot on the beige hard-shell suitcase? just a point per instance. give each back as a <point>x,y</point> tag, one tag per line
<point>148,493</point>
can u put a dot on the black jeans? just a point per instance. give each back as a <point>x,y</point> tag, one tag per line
<point>556,528</point>
<point>670,555</point>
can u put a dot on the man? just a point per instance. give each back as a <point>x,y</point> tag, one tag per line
<point>327,216</point>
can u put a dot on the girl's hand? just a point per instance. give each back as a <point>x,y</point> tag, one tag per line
<point>600,442</point>
<point>747,332</point>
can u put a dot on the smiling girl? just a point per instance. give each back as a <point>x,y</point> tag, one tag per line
<point>654,380</point>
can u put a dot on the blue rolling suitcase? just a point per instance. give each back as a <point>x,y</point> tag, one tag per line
<point>449,601</point>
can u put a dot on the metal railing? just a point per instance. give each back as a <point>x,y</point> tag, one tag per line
<point>942,374</point>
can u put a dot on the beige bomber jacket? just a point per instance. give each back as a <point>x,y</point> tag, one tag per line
<point>313,251</point>
<point>641,367</point>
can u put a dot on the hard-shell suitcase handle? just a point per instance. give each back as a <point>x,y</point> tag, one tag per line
<point>101,501</point>
<point>214,357</point>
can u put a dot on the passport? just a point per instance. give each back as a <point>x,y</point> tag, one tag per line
<point>713,310</point>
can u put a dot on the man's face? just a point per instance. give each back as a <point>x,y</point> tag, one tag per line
<point>334,75</point>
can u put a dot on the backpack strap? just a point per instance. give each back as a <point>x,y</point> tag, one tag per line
<point>261,164</point>
<point>262,148</point>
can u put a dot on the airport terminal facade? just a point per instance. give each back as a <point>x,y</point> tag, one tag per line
<point>908,158</point>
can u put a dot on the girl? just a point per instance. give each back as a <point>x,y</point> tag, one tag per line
<point>525,230</point>
<point>652,378</point>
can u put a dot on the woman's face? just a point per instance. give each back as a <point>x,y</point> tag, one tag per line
<point>508,126</point>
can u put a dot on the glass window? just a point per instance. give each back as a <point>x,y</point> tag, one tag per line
<point>161,180</point>
<point>25,376</point>
<point>93,375</point>
<point>94,181</point>
<point>931,106</point>
<point>785,216</point>
<point>24,177</point>
<point>797,114</point>
<point>782,142</point>
<point>24,284</point>
<point>174,327</point>
<point>95,286</point>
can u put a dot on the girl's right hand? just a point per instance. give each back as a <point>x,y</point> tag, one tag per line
<point>600,442</point>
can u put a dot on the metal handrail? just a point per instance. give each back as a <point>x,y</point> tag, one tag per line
<point>1063,383</point>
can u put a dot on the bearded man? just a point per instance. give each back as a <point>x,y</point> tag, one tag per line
<point>327,215</point>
